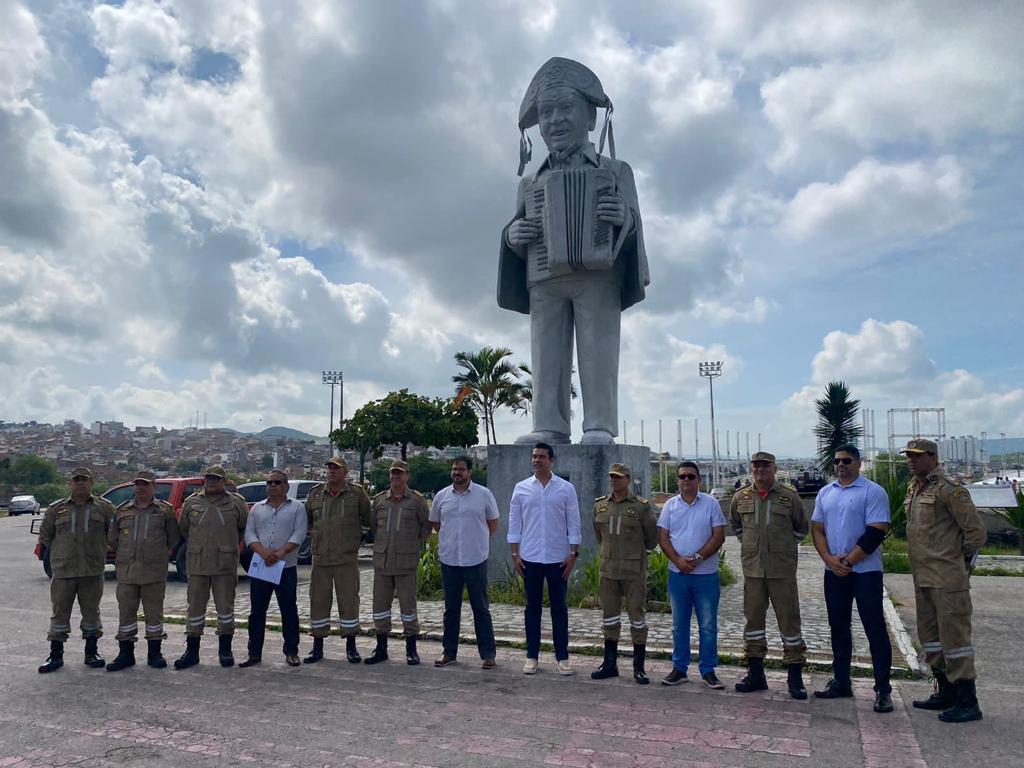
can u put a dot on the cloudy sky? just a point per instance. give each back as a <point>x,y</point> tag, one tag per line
<point>203,205</point>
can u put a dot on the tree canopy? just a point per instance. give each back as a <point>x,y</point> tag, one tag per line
<point>487,381</point>
<point>838,422</point>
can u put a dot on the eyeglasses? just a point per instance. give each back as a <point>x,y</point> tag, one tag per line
<point>275,482</point>
<point>687,477</point>
<point>845,460</point>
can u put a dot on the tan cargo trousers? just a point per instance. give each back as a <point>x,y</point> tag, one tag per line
<point>326,581</point>
<point>944,629</point>
<point>199,589</point>
<point>384,590</point>
<point>89,591</point>
<point>152,598</point>
<point>783,595</point>
<point>634,592</point>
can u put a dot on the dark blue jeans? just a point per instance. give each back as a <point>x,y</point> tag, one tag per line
<point>535,574</point>
<point>474,579</point>
<point>259,600</point>
<point>840,593</point>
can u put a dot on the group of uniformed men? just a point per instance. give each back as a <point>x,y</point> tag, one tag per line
<point>943,528</point>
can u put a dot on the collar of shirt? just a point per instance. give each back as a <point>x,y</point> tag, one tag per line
<point>559,160</point>
<point>860,480</point>
<point>696,499</point>
<point>327,489</point>
<point>462,493</point>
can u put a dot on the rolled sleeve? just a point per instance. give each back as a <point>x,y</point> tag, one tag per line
<point>573,525</point>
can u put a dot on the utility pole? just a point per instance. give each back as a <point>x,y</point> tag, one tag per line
<point>331,378</point>
<point>624,432</point>
<point>711,371</point>
<point>643,440</point>
<point>679,439</point>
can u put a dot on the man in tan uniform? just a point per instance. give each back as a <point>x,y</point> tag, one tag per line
<point>770,522</point>
<point>337,511</point>
<point>625,529</point>
<point>943,533</point>
<point>213,523</point>
<point>401,525</point>
<point>144,532</point>
<point>74,531</point>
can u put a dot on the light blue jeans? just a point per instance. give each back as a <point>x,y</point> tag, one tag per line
<point>688,593</point>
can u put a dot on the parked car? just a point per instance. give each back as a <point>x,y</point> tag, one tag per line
<point>23,505</point>
<point>297,489</point>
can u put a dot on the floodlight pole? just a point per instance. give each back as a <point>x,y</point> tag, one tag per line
<point>711,371</point>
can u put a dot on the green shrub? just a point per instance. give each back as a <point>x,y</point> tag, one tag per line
<point>657,577</point>
<point>725,575</point>
<point>428,572</point>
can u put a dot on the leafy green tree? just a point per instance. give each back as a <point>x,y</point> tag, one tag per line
<point>23,471</point>
<point>267,461</point>
<point>189,466</point>
<point>521,399</point>
<point>488,381</point>
<point>1015,516</point>
<point>837,422</point>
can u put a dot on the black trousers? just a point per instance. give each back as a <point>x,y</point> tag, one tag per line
<point>535,575</point>
<point>840,594</point>
<point>259,600</point>
<point>473,579</point>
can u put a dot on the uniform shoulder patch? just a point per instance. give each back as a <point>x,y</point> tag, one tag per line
<point>164,506</point>
<point>378,495</point>
<point>131,502</point>
<point>417,493</point>
<point>642,500</point>
<point>101,502</point>
<point>601,498</point>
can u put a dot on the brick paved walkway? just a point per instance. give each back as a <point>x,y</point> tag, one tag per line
<point>585,623</point>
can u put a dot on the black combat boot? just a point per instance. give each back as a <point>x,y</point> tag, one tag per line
<point>966,708</point>
<point>155,657</point>
<point>227,658</point>
<point>610,666</point>
<point>944,696</point>
<point>380,653</point>
<point>125,657</point>
<point>56,659</point>
<point>755,679</point>
<point>351,652</point>
<point>92,654</point>
<point>411,657</point>
<point>191,655</point>
<point>639,657</point>
<point>796,682</point>
<point>317,653</point>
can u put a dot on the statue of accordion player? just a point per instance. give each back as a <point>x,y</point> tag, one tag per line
<point>573,255</point>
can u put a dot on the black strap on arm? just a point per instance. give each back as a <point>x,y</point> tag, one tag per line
<point>871,539</point>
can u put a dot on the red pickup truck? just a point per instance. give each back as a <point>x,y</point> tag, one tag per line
<point>173,490</point>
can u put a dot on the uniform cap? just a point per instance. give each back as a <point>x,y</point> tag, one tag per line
<point>920,445</point>
<point>763,456</point>
<point>80,472</point>
<point>399,465</point>
<point>336,461</point>
<point>216,470</point>
<point>145,475</point>
<point>620,470</point>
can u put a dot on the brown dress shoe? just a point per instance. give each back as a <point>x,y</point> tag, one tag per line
<point>488,664</point>
<point>445,661</point>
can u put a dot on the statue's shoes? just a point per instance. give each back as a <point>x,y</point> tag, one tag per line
<point>543,436</point>
<point>597,437</point>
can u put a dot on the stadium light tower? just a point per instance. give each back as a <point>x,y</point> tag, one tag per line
<point>712,371</point>
<point>333,378</point>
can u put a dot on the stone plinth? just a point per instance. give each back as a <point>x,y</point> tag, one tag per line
<point>585,466</point>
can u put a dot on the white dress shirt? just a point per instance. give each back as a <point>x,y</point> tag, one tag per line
<point>544,520</point>
<point>464,538</point>
<point>690,527</point>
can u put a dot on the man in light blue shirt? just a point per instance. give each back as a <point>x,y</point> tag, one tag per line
<point>851,517</point>
<point>691,530</point>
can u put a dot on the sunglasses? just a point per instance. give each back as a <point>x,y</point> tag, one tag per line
<point>687,477</point>
<point>844,461</point>
<point>275,482</point>
<point>760,463</point>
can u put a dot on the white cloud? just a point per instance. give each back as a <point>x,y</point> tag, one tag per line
<point>22,49</point>
<point>741,311</point>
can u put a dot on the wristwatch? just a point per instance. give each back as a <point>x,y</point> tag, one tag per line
<point>846,563</point>
<point>574,554</point>
<point>699,557</point>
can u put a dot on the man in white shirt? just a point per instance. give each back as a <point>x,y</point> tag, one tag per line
<point>544,533</point>
<point>465,516</point>
<point>691,531</point>
<point>274,530</point>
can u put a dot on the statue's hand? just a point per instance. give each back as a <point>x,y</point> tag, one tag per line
<point>612,209</point>
<point>523,232</point>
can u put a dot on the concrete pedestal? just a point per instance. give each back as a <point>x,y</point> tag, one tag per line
<point>585,466</point>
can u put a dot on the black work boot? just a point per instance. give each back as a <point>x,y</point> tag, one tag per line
<point>639,657</point>
<point>380,653</point>
<point>317,653</point>
<point>966,708</point>
<point>411,657</point>
<point>610,666</point>
<point>944,696</point>
<point>56,658</point>
<point>796,681</point>
<point>125,657</point>
<point>227,658</point>
<point>755,679</point>
<point>191,655</point>
<point>351,652</point>
<point>92,654</point>
<point>155,657</point>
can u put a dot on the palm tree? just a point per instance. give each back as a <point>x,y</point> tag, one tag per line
<point>487,381</point>
<point>837,422</point>
<point>521,395</point>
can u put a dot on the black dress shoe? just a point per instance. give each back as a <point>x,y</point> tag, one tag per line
<point>883,702</point>
<point>252,661</point>
<point>835,690</point>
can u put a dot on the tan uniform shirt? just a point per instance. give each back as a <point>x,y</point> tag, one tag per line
<point>770,530</point>
<point>400,527</point>
<point>214,526</point>
<point>77,536</point>
<point>943,527</point>
<point>625,531</point>
<point>336,523</point>
<point>143,540</point>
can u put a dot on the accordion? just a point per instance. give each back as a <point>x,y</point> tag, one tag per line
<point>574,240</point>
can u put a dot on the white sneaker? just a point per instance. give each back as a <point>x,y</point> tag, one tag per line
<point>563,667</point>
<point>530,667</point>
